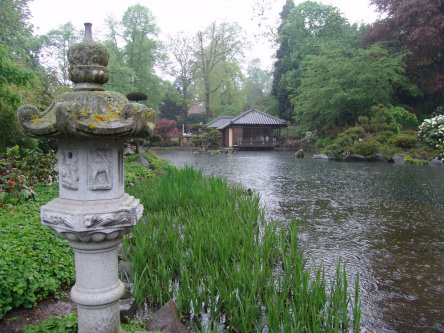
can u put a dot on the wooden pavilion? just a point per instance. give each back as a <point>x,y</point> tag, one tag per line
<point>252,129</point>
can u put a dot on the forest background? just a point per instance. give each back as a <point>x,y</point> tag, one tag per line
<point>329,75</point>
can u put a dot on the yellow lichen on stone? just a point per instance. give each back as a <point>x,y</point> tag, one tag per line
<point>136,110</point>
<point>35,118</point>
<point>98,118</point>
<point>92,126</point>
<point>52,128</point>
<point>149,112</point>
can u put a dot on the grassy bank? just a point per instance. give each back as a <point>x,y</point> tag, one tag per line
<point>208,245</point>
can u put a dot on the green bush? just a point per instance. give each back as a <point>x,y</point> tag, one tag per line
<point>366,147</point>
<point>354,132</point>
<point>344,141</point>
<point>401,116</point>
<point>404,141</point>
<point>322,143</point>
<point>382,137</point>
<point>34,261</point>
<point>213,139</point>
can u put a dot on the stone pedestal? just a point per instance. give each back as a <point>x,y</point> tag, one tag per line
<point>92,211</point>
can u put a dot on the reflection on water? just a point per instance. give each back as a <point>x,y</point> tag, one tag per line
<point>384,221</point>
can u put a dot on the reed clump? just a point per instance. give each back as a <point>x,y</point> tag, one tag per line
<point>209,246</point>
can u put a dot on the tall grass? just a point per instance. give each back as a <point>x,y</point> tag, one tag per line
<point>208,246</point>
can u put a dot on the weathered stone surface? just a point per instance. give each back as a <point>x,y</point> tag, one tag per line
<point>143,161</point>
<point>398,159</point>
<point>128,309</point>
<point>87,114</point>
<point>300,153</point>
<point>355,158</point>
<point>167,319</point>
<point>320,157</point>
<point>436,162</point>
<point>377,158</point>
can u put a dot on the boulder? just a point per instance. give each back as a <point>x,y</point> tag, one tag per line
<point>167,319</point>
<point>128,309</point>
<point>143,161</point>
<point>436,162</point>
<point>355,158</point>
<point>320,157</point>
<point>398,159</point>
<point>128,152</point>
<point>377,158</point>
<point>300,153</point>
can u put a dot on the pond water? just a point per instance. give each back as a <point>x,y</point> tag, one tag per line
<point>384,221</point>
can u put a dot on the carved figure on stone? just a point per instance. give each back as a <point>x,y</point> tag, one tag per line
<point>99,172</point>
<point>69,170</point>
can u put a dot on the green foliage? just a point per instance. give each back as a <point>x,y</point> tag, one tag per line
<point>131,65</point>
<point>134,172</point>
<point>221,251</point>
<point>366,147</point>
<point>34,261</point>
<point>322,143</point>
<point>66,324</point>
<point>213,139</point>
<point>404,140</point>
<point>19,171</point>
<point>341,84</point>
<point>134,325</point>
<point>401,116</point>
<point>13,76</point>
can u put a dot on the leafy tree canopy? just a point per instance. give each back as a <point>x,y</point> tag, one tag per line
<point>417,26</point>
<point>341,84</point>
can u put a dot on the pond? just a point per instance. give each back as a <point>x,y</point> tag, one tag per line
<point>384,221</point>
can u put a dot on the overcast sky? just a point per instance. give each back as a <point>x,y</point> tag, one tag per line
<point>190,16</point>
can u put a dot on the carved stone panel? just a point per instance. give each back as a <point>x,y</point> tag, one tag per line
<point>54,219</point>
<point>100,169</point>
<point>69,169</point>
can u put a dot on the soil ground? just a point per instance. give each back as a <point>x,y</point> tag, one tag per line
<point>15,320</point>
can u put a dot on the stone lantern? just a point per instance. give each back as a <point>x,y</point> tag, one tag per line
<point>92,211</point>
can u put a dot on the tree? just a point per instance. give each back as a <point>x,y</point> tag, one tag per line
<point>341,84</point>
<point>132,63</point>
<point>303,30</point>
<point>257,85</point>
<point>171,106</point>
<point>181,67</point>
<point>217,45</point>
<point>12,77</point>
<point>417,26</point>
<point>165,128</point>
<point>15,30</point>
<point>56,45</point>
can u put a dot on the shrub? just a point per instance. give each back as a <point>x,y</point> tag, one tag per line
<point>404,141</point>
<point>382,137</point>
<point>431,132</point>
<point>366,147</point>
<point>354,132</point>
<point>401,116</point>
<point>213,139</point>
<point>343,141</point>
<point>322,143</point>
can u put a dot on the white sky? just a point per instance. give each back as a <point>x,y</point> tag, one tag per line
<point>172,16</point>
